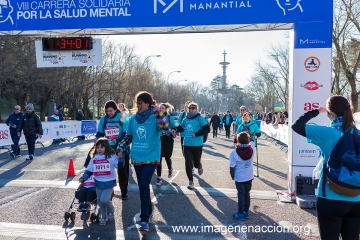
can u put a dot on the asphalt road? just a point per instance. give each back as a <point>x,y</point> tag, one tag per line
<point>35,195</point>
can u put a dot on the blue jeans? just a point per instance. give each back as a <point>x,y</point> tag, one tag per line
<point>144,174</point>
<point>243,189</point>
<point>15,147</point>
<point>30,141</point>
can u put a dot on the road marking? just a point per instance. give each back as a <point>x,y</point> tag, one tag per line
<point>154,201</point>
<point>23,197</point>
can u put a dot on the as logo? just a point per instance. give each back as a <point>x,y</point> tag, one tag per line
<point>311,106</point>
<point>311,85</point>
<point>180,2</point>
<point>312,64</point>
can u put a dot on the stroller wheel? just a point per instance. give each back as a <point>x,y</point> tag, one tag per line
<point>72,216</point>
<point>66,216</point>
<point>93,217</point>
<point>98,217</point>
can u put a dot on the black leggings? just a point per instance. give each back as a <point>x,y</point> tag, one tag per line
<point>227,130</point>
<point>338,217</point>
<point>123,175</point>
<point>192,159</point>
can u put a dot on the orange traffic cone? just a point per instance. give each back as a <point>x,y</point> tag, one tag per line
<point>71,169</point>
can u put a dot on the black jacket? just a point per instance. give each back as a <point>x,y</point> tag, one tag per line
<point>30,124</point>
<point>224,119</point>
<point>215,121</point>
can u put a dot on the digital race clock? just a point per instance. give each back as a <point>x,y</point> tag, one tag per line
<point>67,43</point>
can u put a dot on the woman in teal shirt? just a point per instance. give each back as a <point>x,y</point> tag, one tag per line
<point>194,128</point>
<point>113,126</point>
<point>248,125</point>
<point>337,214</point>
<point>144,131</point>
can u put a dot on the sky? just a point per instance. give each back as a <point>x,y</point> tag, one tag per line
<point>198,55</point>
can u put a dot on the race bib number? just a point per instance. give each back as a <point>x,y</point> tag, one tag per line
<point>90,182</point>
<point>101,167</point>
<point>111,132</point>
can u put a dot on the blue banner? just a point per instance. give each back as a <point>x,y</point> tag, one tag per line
<point>313,35</point>
<point>88,127</point>
<point>20,15</point>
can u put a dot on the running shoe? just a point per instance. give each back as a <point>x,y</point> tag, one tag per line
<point>239,216</point>
<point>30,157</point>
<point>191,185</point>
<point>170,173</point>
<point>80,208</point>
<point>158,181</point>
<point>144,226</point>
<point>12,155</point>
<point>86,207</point>
<point>246,215</point>
<point>200,171</point>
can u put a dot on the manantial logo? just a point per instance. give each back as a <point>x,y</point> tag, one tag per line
<point>167,7</point>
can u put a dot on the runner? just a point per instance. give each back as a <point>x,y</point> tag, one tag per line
<point>227,121</point>
<point>180,119</point>
<point>113,126</point>
<point>144,131</point>
<point>194,127</point>
<point>167,143</point>
<point>248,125</point>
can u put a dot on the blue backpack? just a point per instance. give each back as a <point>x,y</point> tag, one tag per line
<point>342,172</point>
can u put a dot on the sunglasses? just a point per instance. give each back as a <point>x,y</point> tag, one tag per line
<point>16,109</point>
<point>192,108</point>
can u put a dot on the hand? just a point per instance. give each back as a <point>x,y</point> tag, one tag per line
<point>19,134</point>
<point>155,107</point>
<point>173,132</point>
<point>40,136</point>
<point>13,126</point>
<point>119,154</point>
<point>81,180</point>
<point>114,141</point>
<point>193,135</point>
<point>322,109</point>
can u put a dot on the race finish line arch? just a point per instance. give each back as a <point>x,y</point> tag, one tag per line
<point>310,52</point>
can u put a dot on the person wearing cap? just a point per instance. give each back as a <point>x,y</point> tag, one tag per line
<point>30,124</point>
<point>13,123</point>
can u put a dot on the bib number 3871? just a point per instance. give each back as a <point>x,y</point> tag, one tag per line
<point>101,167</point>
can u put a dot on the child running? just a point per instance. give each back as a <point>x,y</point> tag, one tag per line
<point>102,165</point>
<point>241,170</point>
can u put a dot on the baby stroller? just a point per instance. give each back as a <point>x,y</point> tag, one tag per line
<point>70,214</point>
<point>95,215</point>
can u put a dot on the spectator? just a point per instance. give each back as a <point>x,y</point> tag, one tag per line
<point>215,121</point>
<point>13,122</point>
<point>338,207</point>
<point>61,115</point>
<point>30,124</point>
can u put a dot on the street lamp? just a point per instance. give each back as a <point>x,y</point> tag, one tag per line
<point>167,92</point>
<point>143,78</point>
<point>184,80</point>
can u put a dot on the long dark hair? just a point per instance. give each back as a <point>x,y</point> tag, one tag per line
<point>341,107</point>
<point>105,143</point>
<point>111,104</point>
<point>144,96</point>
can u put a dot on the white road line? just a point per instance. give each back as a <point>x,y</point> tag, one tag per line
<point>15,195</point>
<point>24,197</point>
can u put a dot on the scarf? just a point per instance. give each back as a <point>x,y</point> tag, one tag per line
<point>162,119</point>
<point>142,117</point>
<point>191,114</point>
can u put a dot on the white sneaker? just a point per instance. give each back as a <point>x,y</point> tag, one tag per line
<point>30,157</point>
